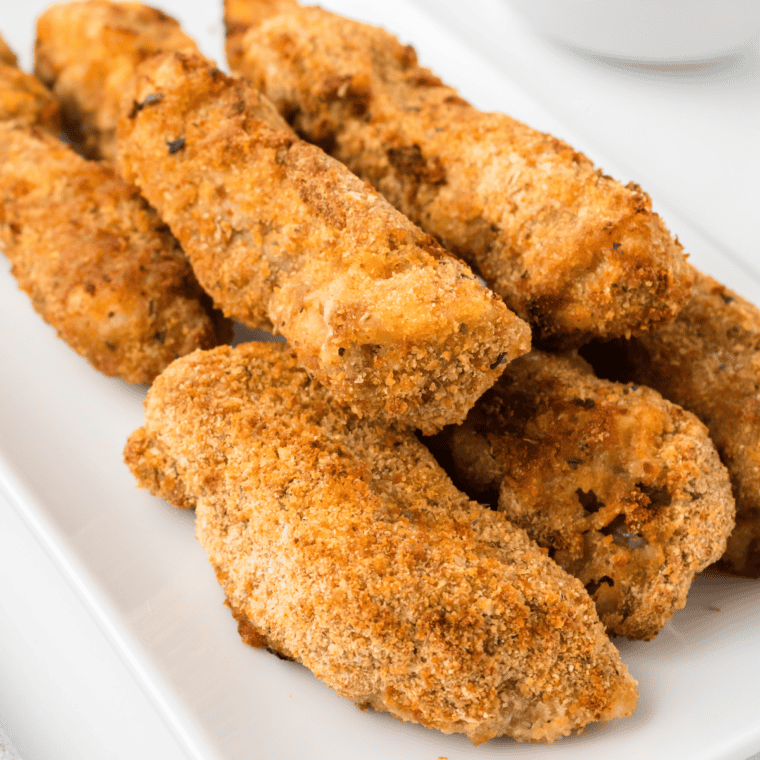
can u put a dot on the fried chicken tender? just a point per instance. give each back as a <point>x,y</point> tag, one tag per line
<point>7,56</point>
<point>97,263</point>
<point>569,249</point>
<point>708,361</point>
<point>282,235</point>
<point>87,51</point>
<point>625,489</point>
<point>341,544</point>
<point>24,100</point>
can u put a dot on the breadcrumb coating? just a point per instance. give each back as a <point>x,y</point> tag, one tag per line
<point>284,237</point>
<point>570,250</point>
<point>87,51</point>
<point>624,488</point>
<point>708,361</point>
<point>24,100</point>
<point>340,543</point>
<point>97,263</point>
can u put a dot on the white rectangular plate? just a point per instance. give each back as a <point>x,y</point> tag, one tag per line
<point>137,564</point>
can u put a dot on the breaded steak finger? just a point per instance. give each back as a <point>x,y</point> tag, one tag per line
<point>708,361</point>
<point>96,261</point>
<point>282,235</point>
<point>570,250</point>
<point>341,544</point>
<point>86,52</point>
<point>624,488</point>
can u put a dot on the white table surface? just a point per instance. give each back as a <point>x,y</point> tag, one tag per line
<point>691,138</point>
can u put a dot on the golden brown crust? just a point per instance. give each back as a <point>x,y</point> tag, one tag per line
<point>26,102</point>
<point>570,250</point>
<point>708,361</point>
<point>7,56</point>
<point>344,546</point>
<point>624,488</point>
<point>96,261</point>
<point>86,51</point>
<point>240,15</point>
<point>281,234</point>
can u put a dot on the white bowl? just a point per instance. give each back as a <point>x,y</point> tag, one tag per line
<point>652,30</point>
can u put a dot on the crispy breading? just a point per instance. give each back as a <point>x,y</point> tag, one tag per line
<point>569,249</point>
<point>708,361</point>
<point>24,100</point>
<point>7,56</point>
<point>624,488</point>
<point>96,261</point>
<point>282,235</point>
<point>340,543</point>
<point>86,51</point>
<point>240,15</point>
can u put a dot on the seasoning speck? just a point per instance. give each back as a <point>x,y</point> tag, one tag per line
<point>137,107</point>
<point>176,145</point>
<point>154,97</point>
<point>499,360</point>
<point>574,463</point>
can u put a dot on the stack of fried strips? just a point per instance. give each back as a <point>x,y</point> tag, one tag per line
<point>571,250</point>
<point>339,540</point>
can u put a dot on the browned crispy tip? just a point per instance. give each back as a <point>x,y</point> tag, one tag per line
<point>156,471</point>
<point>708,361</point>
<point>7,56</point>
<point>86,51</point>
<point>572,251</point>
<point>624,488</point>
<point>96,261</point>
<point>284,237</point>
<point>341,544</point>
<point>26,102</point>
